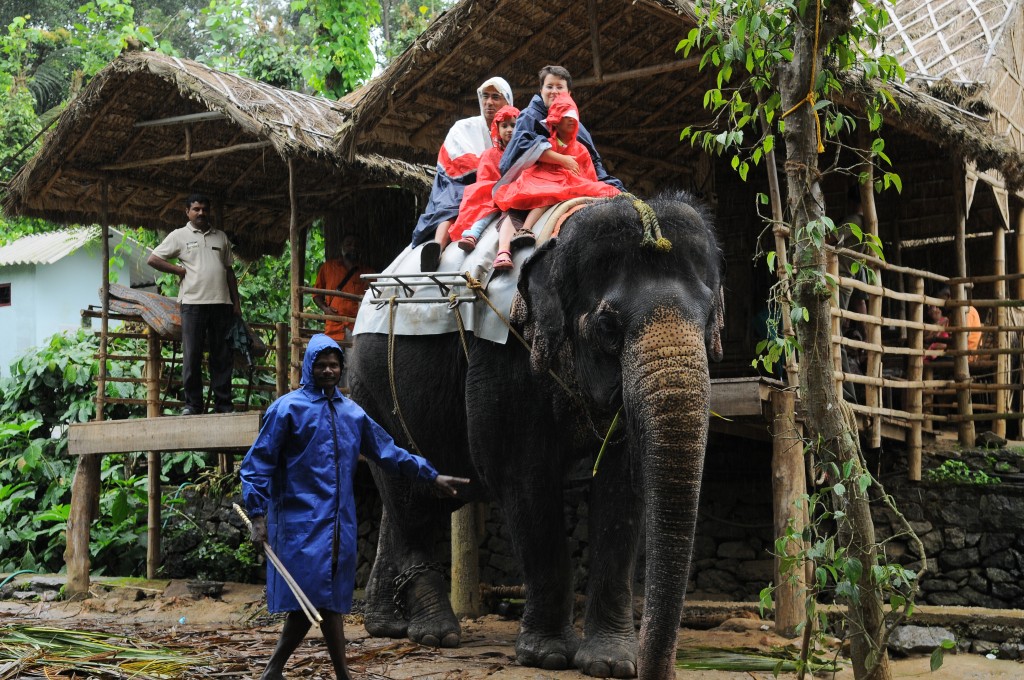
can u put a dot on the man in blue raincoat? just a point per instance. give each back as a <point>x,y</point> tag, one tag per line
<point>297,487</point>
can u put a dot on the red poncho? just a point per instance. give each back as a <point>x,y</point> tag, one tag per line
<point>477,202</point>
<point>544,184</point>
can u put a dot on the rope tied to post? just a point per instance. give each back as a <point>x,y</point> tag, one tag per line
<point>810,98</point>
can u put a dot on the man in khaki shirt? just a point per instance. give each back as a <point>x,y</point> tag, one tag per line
<point>208,294</point>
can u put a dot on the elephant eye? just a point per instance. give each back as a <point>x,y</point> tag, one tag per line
<point>607,332</point>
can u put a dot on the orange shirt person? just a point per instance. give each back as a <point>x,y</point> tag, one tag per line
<point>341,274</point>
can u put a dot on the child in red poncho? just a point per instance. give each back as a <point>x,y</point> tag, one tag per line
<point>477,205</point>
<point>569,174</point>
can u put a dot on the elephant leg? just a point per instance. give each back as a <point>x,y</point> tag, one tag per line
<point>381,616</point>
<point>616,513</point>
<point>417,605</point>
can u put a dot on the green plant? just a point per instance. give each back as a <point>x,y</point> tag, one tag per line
<point>958,472</point>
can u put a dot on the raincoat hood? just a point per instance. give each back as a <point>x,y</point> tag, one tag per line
<point>317,344</point>
<point>503,114</point>
<point>563,107</point>
<point>499,84</point>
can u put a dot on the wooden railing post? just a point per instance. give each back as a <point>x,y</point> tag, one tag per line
<point>465,561</point>
<point>153,458</point>
<point>1002,358</point>
<point>281,357</point>
<point>832,267</point>
<point>915,372</point>
<point>961,368</point>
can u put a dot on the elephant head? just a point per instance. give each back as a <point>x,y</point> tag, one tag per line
<point>632,323</point>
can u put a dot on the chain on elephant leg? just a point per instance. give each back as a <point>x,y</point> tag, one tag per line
<point>421,593</point>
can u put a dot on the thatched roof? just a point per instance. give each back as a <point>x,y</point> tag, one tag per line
<point>233,143</point>
<point>635,106</point>
<point>645,93</point>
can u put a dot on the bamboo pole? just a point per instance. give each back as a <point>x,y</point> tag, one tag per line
<point>1002,360</point>
<point>152,457</point>
<point>296,279</point>
<point>961,368</point>
<point>184,157</point>
<point>832,266</point>
<point>1019,241</point>
<point>780,232</point>
<point>465,562</point>
<point>873,330</point>
<point>789,488</point>
<point>281,353</point>
<point>915,372</point>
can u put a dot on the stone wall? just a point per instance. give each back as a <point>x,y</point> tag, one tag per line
<point>971,533</point>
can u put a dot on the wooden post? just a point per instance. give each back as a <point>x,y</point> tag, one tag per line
<point>961,368</point>
<point>781,257</point>
<point>872,393</point>
<point>153,458</point>
<point>465,562</point>
<point>1020,253</point>
<point>832,267</point>
<point>915,371</point>
<point>85,488</point>
<point>295,361</point>
<point>281,346</point>
<point>789,485</point>
<point>1002,359</point>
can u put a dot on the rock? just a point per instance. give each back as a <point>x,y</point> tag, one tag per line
<point>938,585</point>
<point>932,542</point>
<point>983,647</point>
<point>1008,592</point>
<point>922,527</point>
<point>1010,650</point>
<point>954,559</point>
<point>978,582</point>
<point>956,537</point>
<point>43,582</point>
<point>997,575</point>
<point>918,639</point>
<point>736,550</point>
<point>52,595</point>
<point>989,440</point>
<point>978,599</point>
<point>24,595</point>
<point>993,543</point>
<point>947,599</point>
<point>741,624</point>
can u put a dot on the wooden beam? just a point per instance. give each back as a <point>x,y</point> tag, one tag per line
<point>210,163</point>
<point>961,369</point>
<point>595,49</point>
<point>212,432</point>
<point>186,118</point>
<point>638,73</point>
<point>185,157</point>
<point>465,571</point>
<point>1002,341</point>
<point>915,373</point>
<point>873,331</point>
<point>736,397</point>
<point>153,488</point>
<point>296,272</point>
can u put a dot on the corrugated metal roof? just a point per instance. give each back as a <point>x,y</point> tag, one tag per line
<point>47,248</point>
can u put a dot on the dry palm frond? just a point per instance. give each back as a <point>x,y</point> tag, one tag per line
<point>777,660</point>
<point>44,651</point>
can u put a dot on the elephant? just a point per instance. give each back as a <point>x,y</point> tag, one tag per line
<point>621,312</point>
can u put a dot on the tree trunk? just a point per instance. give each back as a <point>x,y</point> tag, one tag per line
<point>828,419</point>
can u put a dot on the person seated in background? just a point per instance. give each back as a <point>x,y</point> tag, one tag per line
<point>936,339</point>
<point>477,207</point>
<point>973,320</point>
<point>457,160</point>
<point>341,274</point>
<point>545,183</point>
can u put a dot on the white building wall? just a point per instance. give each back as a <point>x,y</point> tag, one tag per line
<point>17,321</point>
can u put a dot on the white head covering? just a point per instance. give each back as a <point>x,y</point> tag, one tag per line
<point>499,84</point>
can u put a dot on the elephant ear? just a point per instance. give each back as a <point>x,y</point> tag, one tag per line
<point>540,312</point>
<point>716,323</point>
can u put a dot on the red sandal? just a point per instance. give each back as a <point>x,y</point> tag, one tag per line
<point>467,243</point>
<point>503,261</point>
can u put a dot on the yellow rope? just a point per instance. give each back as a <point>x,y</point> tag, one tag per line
<point>810,98</point>
<point>652,236</point>
<point>478,290</point>
<point>391,372</point>
<point>453,302</point>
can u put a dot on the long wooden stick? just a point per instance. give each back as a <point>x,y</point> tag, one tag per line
<point>308,608</point>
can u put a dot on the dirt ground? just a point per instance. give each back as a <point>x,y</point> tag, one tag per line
<point>236,636</point>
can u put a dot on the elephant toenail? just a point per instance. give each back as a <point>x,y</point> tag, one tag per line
<point>555,662</point>
<point>430,641</point>
<point>599,669</point>
<point>450,640</point>
<point>625,669</point>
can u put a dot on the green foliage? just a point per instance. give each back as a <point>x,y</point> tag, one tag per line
<point>958,472</point>
<point>341,41</point>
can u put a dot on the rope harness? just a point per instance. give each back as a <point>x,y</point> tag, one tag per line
<point>651,238</point>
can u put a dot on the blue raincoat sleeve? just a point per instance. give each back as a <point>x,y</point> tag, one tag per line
<point>530,140</point>
<point>378,446</point>
<point>260,464</point>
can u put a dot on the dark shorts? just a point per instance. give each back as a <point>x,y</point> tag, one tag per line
<point>518,218</point>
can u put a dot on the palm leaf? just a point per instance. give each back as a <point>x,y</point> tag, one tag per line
<point>776,660</point>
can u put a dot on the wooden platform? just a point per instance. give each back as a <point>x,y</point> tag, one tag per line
<point>214,432</point>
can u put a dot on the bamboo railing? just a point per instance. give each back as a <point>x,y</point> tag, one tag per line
<point>904,383</point>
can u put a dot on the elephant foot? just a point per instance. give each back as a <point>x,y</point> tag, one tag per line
<point>440,629</point>
<point>382,625</point>
<point>607,657</point>
<point>550,652</point>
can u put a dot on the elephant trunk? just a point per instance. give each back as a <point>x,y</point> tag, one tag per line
<point>666,391</point>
